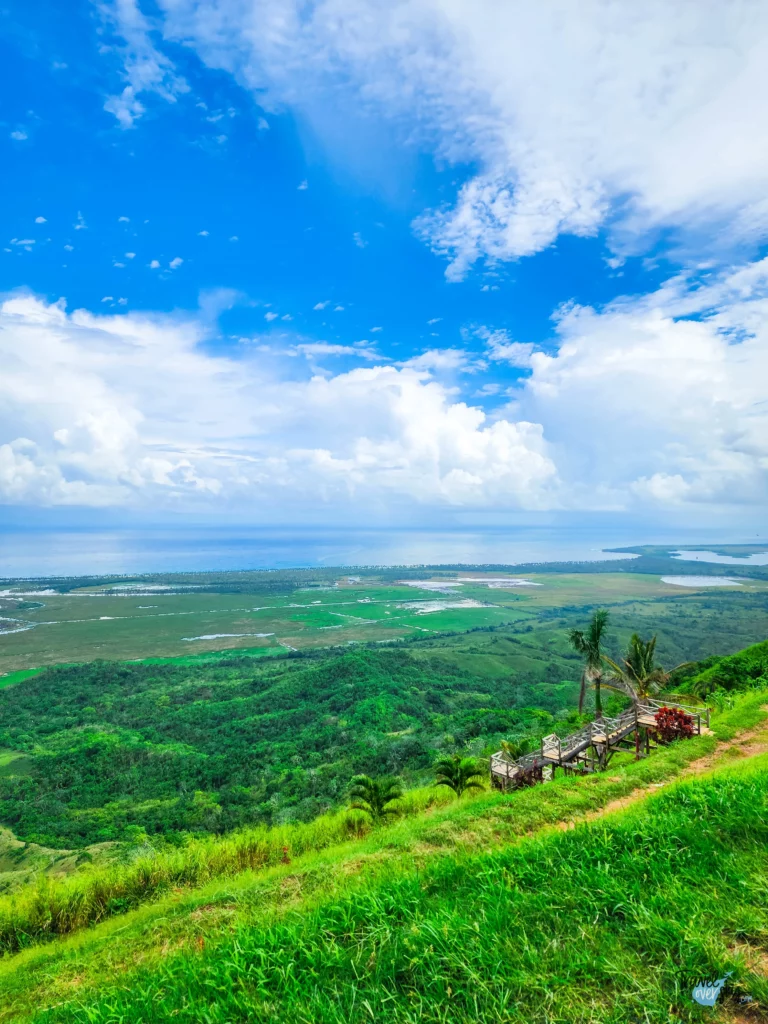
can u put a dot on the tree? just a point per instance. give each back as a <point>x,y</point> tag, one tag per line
<point>458,773</point>
<point>638,676</point>
<point>517,748</point>
<point>375,796</point>
<point>589,644</point>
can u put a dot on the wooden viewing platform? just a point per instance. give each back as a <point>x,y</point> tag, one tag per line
<point>603,737</point>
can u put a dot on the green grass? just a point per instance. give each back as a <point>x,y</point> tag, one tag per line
<point>11,678</point>
<point>612,922</point>
<point>59,907</point>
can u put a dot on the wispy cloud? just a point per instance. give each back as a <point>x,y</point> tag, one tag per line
<point>440,359</point>
<point>577,117</point>
<point>146,70</point>
<point>502,348</point>
<point>361,350</point>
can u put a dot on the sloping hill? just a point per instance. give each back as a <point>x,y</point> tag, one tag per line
<point>466,912</point>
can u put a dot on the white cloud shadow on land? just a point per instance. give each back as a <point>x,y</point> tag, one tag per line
<point>578,116</point>
<point>651,402</point>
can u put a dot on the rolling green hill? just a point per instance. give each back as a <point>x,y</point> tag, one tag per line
<point>470,910</point>
<point>182,848</point>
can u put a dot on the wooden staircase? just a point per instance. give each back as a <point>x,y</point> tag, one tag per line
<point>603,737</point>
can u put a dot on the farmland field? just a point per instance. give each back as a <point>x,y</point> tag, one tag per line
<point>53,621</point>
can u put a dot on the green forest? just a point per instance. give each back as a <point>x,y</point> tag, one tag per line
<point>142,752</point>
<point>111,748</point>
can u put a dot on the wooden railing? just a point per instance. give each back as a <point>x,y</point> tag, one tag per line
<point>556,750</point>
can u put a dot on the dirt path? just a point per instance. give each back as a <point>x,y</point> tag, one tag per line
<point>747,744</point>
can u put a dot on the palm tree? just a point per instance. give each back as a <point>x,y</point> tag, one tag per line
<point>517,748</point>
<point>375,796</point>
<point>638,676</point>
<point>590,645</point>
<point>458,773</point>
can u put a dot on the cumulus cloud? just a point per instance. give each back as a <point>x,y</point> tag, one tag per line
<point>135,410</point>
<point>577,116</point>
<point>650,401</point>
<point>660,399</point>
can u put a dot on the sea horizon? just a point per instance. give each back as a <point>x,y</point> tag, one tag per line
<point>43,553</point>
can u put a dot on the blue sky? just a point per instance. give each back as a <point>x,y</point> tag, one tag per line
<point>512,232</point>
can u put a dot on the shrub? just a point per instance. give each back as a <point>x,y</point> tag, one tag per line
<point>673,724</point>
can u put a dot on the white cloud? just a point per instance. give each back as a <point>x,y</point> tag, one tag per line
<point>661,399</point>
<point>233,238</point>
<point>108,298</point>
<point>135,411</point>
<point>117,263</point>
<point>175,262</point>
<point>154,264</point>
<point>578,116</point>
<point>145,68</point>
<point>80,224</point>
<point>651,401</point>
<point>130,255</point>
<point>40,220</point>
<point>303,186</point>
<point>19,136</point>
<point>502,349</point>
<point>203,234</point>
<point>338,309</point>
<point>434,320</point>
<point>324,348</point>
<point>439,359</point>
<point>375,330</point>
<point>123,220</point>
<point>271,316</point>
<point>321,305</point>
<point>69,248</point>
<point>359,241</point>
<point>262,124</point>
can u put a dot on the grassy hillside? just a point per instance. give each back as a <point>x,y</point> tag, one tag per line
<point>466,912</point>
<point>608,923</point>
